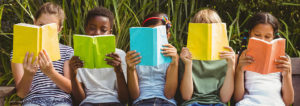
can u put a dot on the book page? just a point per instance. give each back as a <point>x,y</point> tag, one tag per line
<point>103,45</point>
<point>219,40</point>
<point>161,40</point>
<point>49,41</point>
<point>278,49</point>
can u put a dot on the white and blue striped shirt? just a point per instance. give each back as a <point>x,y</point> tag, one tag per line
<point>43,86</point>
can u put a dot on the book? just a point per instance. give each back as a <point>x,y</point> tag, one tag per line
<point>264,54</point>
<point>92,50</point>
<point>206,41</point>
<point>32,39</point>
<point>149,42</point>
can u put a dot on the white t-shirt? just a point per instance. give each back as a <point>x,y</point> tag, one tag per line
<point>262,90</point>
<point>101,84</point>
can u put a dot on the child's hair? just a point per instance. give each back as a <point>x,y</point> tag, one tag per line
<point>264,18</point>
<point>259,18</point>
<point>52,9</point>
<point>155,18</point>
<point>100,11</point>
<point>207,16</point>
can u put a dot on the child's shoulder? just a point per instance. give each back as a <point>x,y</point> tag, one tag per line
<point>120,52</point>
<point>65,47</point>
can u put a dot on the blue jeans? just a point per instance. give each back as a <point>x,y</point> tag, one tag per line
<point>102,104</point>
<point>197,104</point>
<point>154,102</point>
<point>48,101</point>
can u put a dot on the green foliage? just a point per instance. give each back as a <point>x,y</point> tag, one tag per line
<point>130,13</point>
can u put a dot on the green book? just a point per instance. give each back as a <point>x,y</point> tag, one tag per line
<point>92,50</point>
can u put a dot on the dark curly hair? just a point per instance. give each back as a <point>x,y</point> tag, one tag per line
<point>100,11</point>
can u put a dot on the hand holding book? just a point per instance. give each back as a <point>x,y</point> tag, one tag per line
<point>75,63</point>
<point>30,66</point>
<point>115,61</point>
<point>228,55</point>
<point>132,59</point>
<point>45,63</point>
<point>284,64</point>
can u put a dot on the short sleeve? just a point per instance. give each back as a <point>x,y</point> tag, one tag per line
<point>78,77</point>
<point>69,53</point>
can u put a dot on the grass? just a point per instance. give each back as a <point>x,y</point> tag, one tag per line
<point>130,13</point>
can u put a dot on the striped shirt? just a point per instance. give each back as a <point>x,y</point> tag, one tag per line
<point>43,86</point>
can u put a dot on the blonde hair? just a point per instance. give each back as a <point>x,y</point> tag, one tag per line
<point>52,9</point>
<point>207,16</point>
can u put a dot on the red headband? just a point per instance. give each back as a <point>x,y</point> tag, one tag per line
<point>151,19</point>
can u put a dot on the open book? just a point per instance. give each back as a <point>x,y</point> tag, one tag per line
<point>205,41</point>
<point>264,54</point>
<point>149,42</point>
<point>92,50</point>
<point>32,39</point>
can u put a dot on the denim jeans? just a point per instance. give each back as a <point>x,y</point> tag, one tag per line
<point>48,101</point>
<point>102,104</point>
<point>197,104</point>
<point>154,102</point>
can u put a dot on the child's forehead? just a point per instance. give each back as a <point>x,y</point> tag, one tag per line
<point>99,20</point>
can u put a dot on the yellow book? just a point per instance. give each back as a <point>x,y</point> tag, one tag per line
<point>32,39</point>
<point>205,41</point>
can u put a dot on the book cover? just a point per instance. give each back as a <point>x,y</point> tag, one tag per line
<point>264,54</point>
<point>92,50</point>
<point>205,41</point>
<point>149,42</point>
<point>32,39</point>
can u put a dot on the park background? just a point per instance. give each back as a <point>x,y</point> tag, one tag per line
<point>130,13</point>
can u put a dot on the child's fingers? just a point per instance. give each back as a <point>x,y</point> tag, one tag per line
<point>168,45</point>
<point>229,48</point>
<point>30,58</point>
<point>112,60</point>
<point>284,58</point>
<point>164,49</point>
<point>168,51</point>
<point>25,58</point>
<point>137,62</point>
<point>134,55</point>
<point>131,52</point>
<point>281,61</point>
<point>46,55</point>
<point>135,59</point>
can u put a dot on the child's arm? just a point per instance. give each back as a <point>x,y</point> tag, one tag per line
<point>62,81</point>
<point>239,87</point>
<point>186,86</point>
<point>172,71</point>
<point>284,64</point>
<point>228,85</point>
<point>132,59</point>
<point>122,86</point>
<point>23,74</point>
<point>77,87</point>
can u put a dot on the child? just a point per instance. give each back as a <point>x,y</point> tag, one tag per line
<point>153,85</point>
<point>274,89</point>
<point>103,86</point>
<point>206,83</point>
<point>42,81</point>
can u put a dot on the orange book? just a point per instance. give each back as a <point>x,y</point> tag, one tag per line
<point>264,54</point>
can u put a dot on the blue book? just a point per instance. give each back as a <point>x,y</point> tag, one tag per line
<point>148,42</point>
